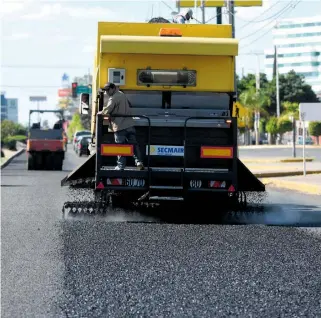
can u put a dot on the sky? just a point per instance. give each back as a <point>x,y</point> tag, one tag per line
<point>43,39</point>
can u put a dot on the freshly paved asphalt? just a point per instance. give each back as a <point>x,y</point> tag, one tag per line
<point>278,152</point>
<point>92,267</point>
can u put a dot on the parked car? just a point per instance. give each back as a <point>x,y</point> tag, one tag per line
<point>308,140</point>
<point>82,145</point>
<point>77,134</point>
<point>78,139</point>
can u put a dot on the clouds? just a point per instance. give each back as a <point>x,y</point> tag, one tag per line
<point>17,36</point>
<point>52,11</point>
<point>11,7</point>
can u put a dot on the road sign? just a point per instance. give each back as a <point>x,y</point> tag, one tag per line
<point>311,111</point>
<point>64,92</point>
<point>220,3</point>
<point>83,89</point>
<point>37,98</point>
<point>241,113</point>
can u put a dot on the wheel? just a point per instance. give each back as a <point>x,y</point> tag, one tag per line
<point>58,162</point>
<point>49,162</point>
<point>31,162</point>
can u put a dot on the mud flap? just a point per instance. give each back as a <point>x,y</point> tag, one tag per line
<point>83,171</point>
<point>247,181</point>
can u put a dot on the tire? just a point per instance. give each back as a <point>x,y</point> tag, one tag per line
<point>31,162</point>
<point>49,162</point>
<point>58,162</point>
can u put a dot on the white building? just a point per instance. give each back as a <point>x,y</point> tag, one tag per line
<point>9,108</point>
<point>298,43</point>
<point>12,109</point>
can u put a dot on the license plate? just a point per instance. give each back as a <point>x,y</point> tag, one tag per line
<point>132,182</point>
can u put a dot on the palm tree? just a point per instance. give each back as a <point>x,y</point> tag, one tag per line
<point>255,100</point>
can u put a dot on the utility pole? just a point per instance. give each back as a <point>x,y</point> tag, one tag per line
<point>219,15</point>
<point>277,83</point>
<point>203,11</point>
<point>230,9</point>
<point>257,113</point>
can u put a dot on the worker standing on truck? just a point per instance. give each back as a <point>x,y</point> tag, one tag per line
<point>123,127</point>
<point>183,16</point>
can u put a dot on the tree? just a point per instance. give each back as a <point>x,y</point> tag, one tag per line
<point>315,129</point>
<point>75,124</point>
<point>255,102</point>
<point>292,88</point>
<point>249,80</point>
<point>284,125</point>
<point>8,128</point>
<point>291,109</point>
<point>272,128</point>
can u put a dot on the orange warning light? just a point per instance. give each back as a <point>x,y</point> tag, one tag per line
<point>170,32</point>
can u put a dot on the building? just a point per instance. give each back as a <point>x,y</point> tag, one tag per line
<point>298,43</point>
<point>3,107</point>
<point>9,108</point>
<point>12,109</point>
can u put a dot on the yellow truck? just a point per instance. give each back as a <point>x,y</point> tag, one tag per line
<point>179,80</point>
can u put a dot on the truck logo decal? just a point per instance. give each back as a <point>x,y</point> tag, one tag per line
<point>161,150</point>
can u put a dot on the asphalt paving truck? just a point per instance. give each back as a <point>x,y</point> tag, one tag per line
<point>180,82</point>
<point>45,146</point>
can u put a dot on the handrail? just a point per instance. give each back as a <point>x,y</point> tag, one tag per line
<point>100,119</point>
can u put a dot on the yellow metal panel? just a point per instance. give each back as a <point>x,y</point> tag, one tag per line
<point>214,73</point>
<point>241,113</point>
<point>221,3</point>
<point>168,45</point>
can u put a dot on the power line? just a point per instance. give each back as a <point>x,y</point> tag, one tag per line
<point>267,30</point>
<point>281,12</point>
<point>258,21</point>
<point>31,86</point>
<point>248,44</point>
<point>44,66</point>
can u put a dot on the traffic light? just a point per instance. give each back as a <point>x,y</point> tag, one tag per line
<point>74,90</point>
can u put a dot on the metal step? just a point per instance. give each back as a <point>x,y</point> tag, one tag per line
<point>156,198</point>
<point>166,187</point>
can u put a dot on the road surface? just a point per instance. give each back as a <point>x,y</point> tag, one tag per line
<point>55,267</point>
<point>278,152</point>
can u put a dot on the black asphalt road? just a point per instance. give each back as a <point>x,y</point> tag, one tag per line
<point>277,152</point>
<point>55,267</point>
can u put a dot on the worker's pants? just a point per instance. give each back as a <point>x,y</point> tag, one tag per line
<point>127,136</point>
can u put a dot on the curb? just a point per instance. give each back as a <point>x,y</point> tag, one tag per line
<point>18,153</point>
<point>250,147</point>
<point>284,173</point>
<point>290,160</point>
<point>293,185</point>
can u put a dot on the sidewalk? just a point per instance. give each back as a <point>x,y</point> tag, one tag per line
<point>280,169</point>
<point>10,155</point>
<point>310,184</point>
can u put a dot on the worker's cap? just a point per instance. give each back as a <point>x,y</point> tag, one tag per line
<point>189,12</point>
<point>109,85</point>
